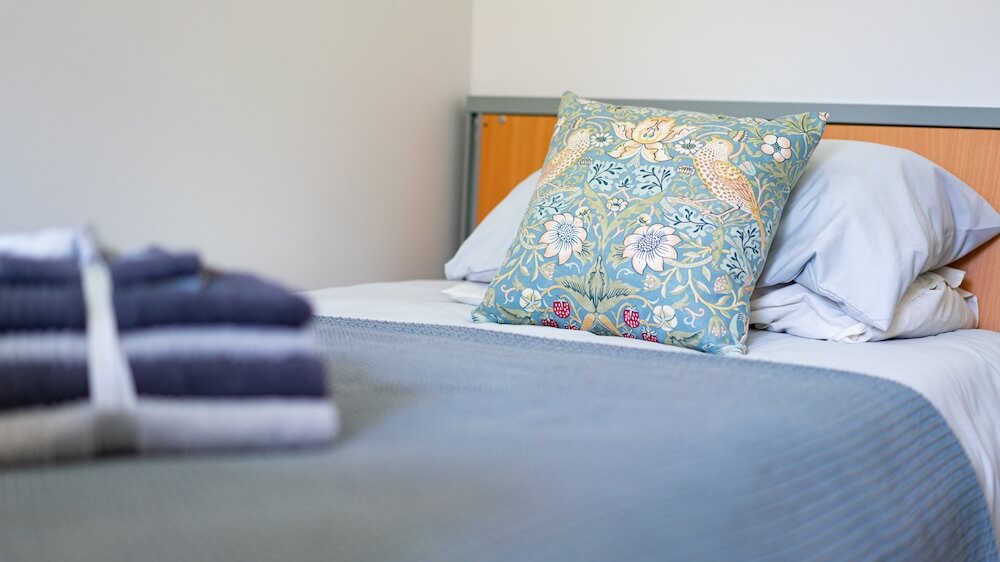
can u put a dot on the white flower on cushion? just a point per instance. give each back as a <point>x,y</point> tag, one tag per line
<point>688,146</point>
<point>531,300</point>
<point>648,245</point>
<point>564,236</point>
<point>616,204</point>
<point>777,147</point>
<point>665,317</point>
<point>602,139</point>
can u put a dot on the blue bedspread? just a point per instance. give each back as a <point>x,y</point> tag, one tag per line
<point>464,444</point>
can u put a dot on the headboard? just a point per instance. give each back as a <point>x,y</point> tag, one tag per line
<point>508,137</point>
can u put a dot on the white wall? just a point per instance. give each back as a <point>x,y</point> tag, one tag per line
<point>917,52</point>
<point>316,141</point>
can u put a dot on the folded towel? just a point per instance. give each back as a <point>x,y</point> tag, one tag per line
<point>37,384</point>
<point>210,362</point>
<point>213,299</point>
<point>72,430</point>
<point>49,368</point>
<point>199,389</point>
<point>147,266</point>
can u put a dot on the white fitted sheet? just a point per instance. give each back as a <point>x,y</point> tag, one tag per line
<point>958,372</point>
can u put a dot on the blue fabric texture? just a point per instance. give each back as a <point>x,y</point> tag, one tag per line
<point>651,223</point>
<point>461,444</point>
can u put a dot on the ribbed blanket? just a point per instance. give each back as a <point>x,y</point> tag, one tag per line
<point>465,444</point>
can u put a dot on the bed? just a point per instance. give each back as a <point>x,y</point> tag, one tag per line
<point>466,441</point>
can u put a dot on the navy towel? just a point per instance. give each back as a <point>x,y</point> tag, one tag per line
<point>148,266</point>
<point>28,384</point>
<point>212,299</point>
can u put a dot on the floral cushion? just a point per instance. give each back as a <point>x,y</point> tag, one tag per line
<point>651,224</point>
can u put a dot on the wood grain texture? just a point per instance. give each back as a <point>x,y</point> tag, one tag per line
<point>513,149</point>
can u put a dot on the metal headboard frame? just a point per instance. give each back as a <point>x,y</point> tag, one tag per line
<point>851,114</point>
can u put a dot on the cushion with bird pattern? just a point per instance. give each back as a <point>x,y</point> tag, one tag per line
<point>651,224</point>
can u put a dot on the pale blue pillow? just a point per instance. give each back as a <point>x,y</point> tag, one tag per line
<point>651,224</point>
<point>867,219</point>
<point>480,256</point>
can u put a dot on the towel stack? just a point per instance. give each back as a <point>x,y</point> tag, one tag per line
<point>217,361</point>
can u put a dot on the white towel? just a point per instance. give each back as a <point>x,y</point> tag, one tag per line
<point>45,244</point>
<point>66,432</point>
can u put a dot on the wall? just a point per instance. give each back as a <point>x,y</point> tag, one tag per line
<point>883,52</point>
<point>314,141</point>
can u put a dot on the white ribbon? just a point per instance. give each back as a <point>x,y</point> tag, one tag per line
<point>112,390</point>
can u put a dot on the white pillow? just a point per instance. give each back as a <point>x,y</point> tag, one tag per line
<point>932,305</point>
<point>861,224</point>
<point>866,219</point>
<point>480,256</point>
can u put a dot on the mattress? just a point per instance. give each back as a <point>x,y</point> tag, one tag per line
<point>449,454</point>
<point>957,372</point>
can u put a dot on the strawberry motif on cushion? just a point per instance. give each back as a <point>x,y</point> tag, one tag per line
<point>650,337</point>
<point>550,323</point>
<point>629,335</point>
<point>631,317</point>
<point>561,308</point>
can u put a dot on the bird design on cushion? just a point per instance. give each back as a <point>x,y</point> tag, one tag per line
<point>576,145</point>
<point>727,182</point>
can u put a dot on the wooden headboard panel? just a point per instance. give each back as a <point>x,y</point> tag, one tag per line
<point>508,147</point>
